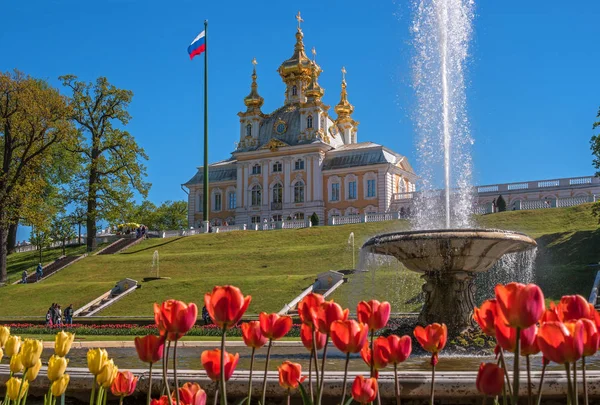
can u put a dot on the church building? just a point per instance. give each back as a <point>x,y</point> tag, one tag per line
<point>299,160</point>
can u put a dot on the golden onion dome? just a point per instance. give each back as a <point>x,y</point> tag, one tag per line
<point>344,109</point>
<point>254,100</point>
<point>314,89</point>
<point>299,64</point>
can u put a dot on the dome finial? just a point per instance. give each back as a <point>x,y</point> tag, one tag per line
<point>344,109</point>
<point>300,20</point>
<point>254,100</point>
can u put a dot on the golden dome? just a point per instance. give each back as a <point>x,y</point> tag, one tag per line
<point>344,109</point>
<point>299,64</point>
<point>254,100</point>
<point>313,89</point>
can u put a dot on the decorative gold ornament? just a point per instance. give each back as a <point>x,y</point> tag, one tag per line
<point>280,127</point>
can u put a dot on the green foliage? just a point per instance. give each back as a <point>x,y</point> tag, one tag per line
<point>62,229</point>
<point>112,160</point>
<point>501,204</point>
<point>595,145</point>
<point>314,219</point>
<point>35,133</point>
<point>167,216</point>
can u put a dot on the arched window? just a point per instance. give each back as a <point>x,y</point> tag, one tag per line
<point>248,130</point>
<point>256,195</point>
<point>294,91</point>
<point>309,121</point>
<point>277,193</point>
<point>299,192</point>
<point>298,215</point>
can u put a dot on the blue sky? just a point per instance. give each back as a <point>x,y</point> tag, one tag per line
<point>533,88</point>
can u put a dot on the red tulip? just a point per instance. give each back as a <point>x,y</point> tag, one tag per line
<point>432,338</point>
<point>164,400</point>
<point>561,342</point>
<point>252,335</point>
<point>400,348</point>
<point>274,326</point>
<point>349,336</point>
<point>192,394</point>
<point>124,384</point>
<point>308,307</point>
<point>373,313</point>
<point>306,335</point>
<point>574,307</point>
<point>177,317</point>
<point>364,390</point>
<point>382,355</point>
<point>149,348</point>
<point>160,324</point>
<point>507,338</point>
<point>521,305</point>
<point>328,313</point>
<point>485,315</point>
<point>591,338</point>
<point>290,375</point>
<point>550,314</point>
<point>226,305</point>
<point>490,379</point>
<point>211,361</point>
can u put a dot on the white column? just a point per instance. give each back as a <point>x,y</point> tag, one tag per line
<point>309,181</point>
<point>245,190</point>
<point>286,179</point>
<point>239,187</point>
<point>317,179</point>
<point>265,191</point>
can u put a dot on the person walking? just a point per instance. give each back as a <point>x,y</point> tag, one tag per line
<point>69,315</point>
<point>49,316</point>
<point>39,272</point>
<point>58,315</point>
<point>24,277</point>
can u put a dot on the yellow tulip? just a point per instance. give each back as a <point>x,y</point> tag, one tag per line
<point>4,334</point>
<point>96,359</point>
<point>31,350</point>
<point>1,354</point>
<point>12,388</point>
<point>56,367</point>
<point>16,365</point>
<point>108,374</point>
<point>59,386</point>
<point>12,346</point>
<point>63,342</point>
<point>32,372</point>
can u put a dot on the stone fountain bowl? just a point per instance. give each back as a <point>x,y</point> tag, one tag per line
<point>449,250</point>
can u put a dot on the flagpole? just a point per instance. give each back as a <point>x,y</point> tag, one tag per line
<point>205,205</point>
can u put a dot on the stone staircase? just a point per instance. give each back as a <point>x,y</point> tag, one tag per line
<point>119,245</point>
<point>53,268</point>
<point>120,290</point>
<point>325,284</point>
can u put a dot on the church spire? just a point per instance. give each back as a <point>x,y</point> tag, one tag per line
<point>254,100</point>
<point>314,90</point>
<point>344,109</point>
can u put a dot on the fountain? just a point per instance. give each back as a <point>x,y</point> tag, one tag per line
<point>445,247</point>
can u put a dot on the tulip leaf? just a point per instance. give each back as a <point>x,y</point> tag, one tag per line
<point>305,397</point>
<point>349,401</point>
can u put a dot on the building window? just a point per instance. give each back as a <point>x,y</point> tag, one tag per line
<point>199,203</point>
<point>255,219</point>
<point>256,195</point>
<point>277,193</point>
<point>335,192</point>
<point>277,167</point>
<point>256,169</point>
<point>299,192</point>
<point>299,164</point>
<point>231,200</point>
<point>294,91</point>
<point>298,216</point>
<point>277,218</point>
<point>309,121</point>
<point>371,188</point>
<point>352,190</point>
<point>217,201</point>
<point>248,130</point>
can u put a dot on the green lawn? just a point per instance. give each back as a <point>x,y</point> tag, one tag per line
<point>275,266</point>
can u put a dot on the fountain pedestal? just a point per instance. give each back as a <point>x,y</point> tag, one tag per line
<point>449,259</point>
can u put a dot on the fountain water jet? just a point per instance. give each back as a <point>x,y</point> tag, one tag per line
<point>448,258</point>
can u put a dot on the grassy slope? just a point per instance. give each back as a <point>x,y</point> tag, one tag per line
<point>275,266</point>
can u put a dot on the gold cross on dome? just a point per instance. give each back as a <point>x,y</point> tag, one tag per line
<point>314,53</point>
<point>299,18</point>
<point>343,73</point>
<point>254,62</point>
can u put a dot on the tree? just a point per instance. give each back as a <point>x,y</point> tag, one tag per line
<point>62,230</point>
<point>595,147</point>
<point>113,165</point>
<point>171,215</point>
<point>40,238</point>
<point>34,121</point>
<point>501,204</point>
<point>314,219</point>
<point>78,216</point>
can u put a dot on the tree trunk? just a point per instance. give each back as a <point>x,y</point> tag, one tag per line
<point>79,235</point>
<point>12,237</point>
<point>63,247</point>
<point>3,253</point>
<point>92,198</point>
<point>41,247</point>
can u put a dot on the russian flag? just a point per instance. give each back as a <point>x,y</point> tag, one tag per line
<point>197,46</point>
